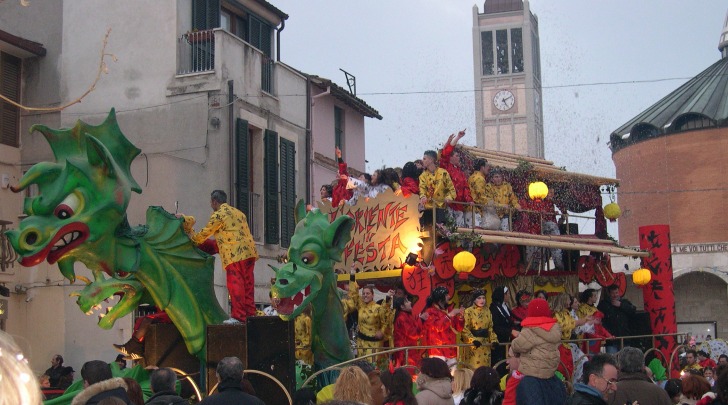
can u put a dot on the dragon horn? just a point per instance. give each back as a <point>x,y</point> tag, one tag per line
<point>275,269</point>
<point>46,170</point>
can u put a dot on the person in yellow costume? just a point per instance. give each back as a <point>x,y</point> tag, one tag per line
<point>375,321</point>
<point>478,331</point>
<point>569,352</point>
<point>302,333</point>
<point>504,197</point>
<point>237,251</point>
<point>436,189</point>
<point>483,195</point>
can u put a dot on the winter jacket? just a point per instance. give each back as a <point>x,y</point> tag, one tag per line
<point>434,391</point>
<point>115,387</point>
<point>617,320</point>
<point>539,350</point>
<point>230,392</point>
<point>166,398</point>
<point>541,391</point>
<point>585,395</point>
<point>477,397</point>
<point>638,387</point>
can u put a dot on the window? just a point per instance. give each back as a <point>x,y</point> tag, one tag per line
<point>503,54</point>
<point>288,190</point>
<point>486,43</point>
<point>285,176</point>
<point>517,49</point>
<point>339,128</point>
<point>692,121</point>
<point>271,187</point>
<point>501,51</point>
<point>535,52</point>
<point>10,88</point>
<point>243,169</point>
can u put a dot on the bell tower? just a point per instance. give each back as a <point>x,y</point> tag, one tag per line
<point>507,73</point>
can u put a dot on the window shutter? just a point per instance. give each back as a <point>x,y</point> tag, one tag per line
<point>288,190</point>
<point>242,156</point>
<point>10,88</point>
<point>265,39</point>
<point>254,36</point>
<point>205,14</point>
<point>271,187</point>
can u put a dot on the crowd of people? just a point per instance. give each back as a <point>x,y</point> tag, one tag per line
<point>469,192</point>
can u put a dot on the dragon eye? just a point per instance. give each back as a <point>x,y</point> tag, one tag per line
<point>67,207</point>
<point>309,258</point>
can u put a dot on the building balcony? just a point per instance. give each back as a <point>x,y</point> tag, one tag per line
<point>219,53</point>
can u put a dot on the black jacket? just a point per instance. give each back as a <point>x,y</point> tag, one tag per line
<point>166,398</point>
<point>617,319</point>
<point>585,395</point>
<point>476,397</point>
<point>94,393</point>
<point>231,392</point>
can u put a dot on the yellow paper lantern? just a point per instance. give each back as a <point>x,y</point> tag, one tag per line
<point>612,212</point>
<point>538,190</point>
<point>641,277</point>
<point>463,262</point>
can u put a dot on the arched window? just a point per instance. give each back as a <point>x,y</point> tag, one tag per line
<point>690,121</point>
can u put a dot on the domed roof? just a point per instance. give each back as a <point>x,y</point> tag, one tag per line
<point>702,102</point>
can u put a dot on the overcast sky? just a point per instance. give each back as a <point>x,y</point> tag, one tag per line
<point>413,61</point>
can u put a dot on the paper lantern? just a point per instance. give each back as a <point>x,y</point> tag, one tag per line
<point>641,277</point>
<point>538,190</point>
<point>612,212</point>
<point>463,263</point>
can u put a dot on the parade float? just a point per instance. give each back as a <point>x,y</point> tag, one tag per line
<point>79,215</point>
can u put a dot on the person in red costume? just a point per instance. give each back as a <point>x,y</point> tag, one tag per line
<point>340,192</point>
<point>520,312</point>
<point>410,179</point>
<point>440,325</point>
<point>407,332</point>
<point>450,161</point>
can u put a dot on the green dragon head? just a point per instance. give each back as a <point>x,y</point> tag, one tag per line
<point>315,246</point>
<point>81,203</point>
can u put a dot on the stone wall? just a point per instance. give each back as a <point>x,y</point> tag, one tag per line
<point>701,297</point>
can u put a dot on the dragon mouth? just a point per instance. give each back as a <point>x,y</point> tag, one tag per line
<point>288,305</point>
<point>66,239</point>
<point>103,290</point>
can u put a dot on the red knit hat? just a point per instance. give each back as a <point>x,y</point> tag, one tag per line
<point>538,307</point>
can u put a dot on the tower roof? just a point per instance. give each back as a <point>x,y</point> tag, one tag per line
<point>702,102</point>
<point>502,6</point>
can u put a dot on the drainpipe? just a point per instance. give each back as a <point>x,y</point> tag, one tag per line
<point>231,148</point>
<point>309,112</point>
<point>278,40</point>
<point>309,148</point>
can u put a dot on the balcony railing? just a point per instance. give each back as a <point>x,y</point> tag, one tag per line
<point>196,52</point>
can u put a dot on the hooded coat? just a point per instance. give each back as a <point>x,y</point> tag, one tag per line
<point>94,393</point>
<point>434,391</point>
<point>539,349</point>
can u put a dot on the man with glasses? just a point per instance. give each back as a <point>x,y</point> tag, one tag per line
<point>598,380</point>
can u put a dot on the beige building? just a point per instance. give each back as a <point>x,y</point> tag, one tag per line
<point>200,88</point>
<point>507,74</point>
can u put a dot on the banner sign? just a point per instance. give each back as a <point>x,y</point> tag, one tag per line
<point>386,230</point>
